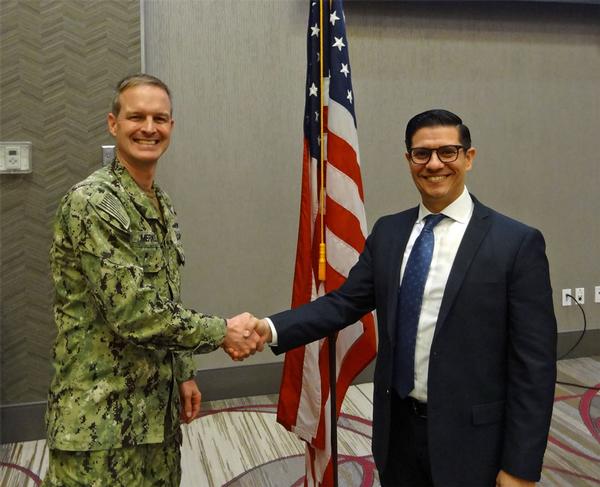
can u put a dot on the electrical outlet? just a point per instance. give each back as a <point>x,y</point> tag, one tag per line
<point>566,300</point>
<point>597,294</point>
<point>580,295</point>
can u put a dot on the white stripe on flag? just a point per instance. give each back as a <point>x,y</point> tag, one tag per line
<point>346,339</point>
<point>340,255</point>
<point>341,123</point>
<point>322,457</point>
<point>309,407</point>
<point>344,191</point>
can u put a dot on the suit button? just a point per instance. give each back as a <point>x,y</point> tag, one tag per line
<point>387,392</point>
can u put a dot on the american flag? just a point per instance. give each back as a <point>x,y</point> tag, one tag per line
<point>304,402</point>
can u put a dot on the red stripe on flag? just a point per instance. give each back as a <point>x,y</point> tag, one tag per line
<point>344,224</point>
<point>344,218</point>
<point>334,279</point>
<point>319,439</point>
<point>303,273</point>
<point>342,156</point>
<point>360,353</point>
<point>291,388</point>
<point>291,379</point>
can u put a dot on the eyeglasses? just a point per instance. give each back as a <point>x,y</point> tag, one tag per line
<point>446,154</point>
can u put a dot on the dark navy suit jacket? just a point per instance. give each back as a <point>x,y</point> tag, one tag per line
<point>492,366</point>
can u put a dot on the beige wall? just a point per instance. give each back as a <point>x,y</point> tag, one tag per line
<point>524,77</point>
<point>59,61</point>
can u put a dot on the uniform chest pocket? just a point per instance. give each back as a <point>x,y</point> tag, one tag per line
<point>148,251</point>
<point>151,259</point>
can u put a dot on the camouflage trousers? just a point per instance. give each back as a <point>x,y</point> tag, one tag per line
<point>157,464</point>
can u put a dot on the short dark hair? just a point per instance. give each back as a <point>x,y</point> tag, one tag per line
<point>436,118</point>
<point>138,79</point>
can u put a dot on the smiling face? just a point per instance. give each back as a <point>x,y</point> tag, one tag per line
<point>440,184</point>
<point>142,128</point>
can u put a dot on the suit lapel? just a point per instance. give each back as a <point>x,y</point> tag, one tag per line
<point>476,231</point>
<point>397,247</point>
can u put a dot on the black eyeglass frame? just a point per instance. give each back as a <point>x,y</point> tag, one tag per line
<point>431,151</point>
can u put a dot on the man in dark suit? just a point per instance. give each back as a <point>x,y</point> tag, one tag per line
<point>466,363</point>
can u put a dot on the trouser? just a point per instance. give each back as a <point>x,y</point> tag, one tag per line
<point>408,457</point>
<point>151,465</point>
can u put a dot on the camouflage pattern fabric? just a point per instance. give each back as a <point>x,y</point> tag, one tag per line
<point>124,339</point>
<point>154,465</point>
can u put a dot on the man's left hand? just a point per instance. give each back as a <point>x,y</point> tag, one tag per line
<point>190,397</point>
<point>505,479</point>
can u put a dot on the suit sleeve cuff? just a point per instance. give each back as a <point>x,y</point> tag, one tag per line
<point>273,342</point>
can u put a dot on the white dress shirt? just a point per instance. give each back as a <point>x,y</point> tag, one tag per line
<point>447,234</point>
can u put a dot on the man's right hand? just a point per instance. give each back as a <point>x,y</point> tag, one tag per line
<point>242,340</point>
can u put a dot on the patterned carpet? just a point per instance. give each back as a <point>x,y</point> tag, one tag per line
<point>237,443</point>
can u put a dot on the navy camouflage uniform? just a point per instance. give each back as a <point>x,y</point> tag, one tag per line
<point>124,340</point>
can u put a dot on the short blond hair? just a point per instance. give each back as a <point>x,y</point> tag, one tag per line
<point>130,81</point>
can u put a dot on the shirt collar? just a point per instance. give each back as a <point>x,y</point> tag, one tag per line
<point>459,210</point>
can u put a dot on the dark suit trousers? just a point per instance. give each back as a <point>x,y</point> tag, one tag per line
<point>408,457</point>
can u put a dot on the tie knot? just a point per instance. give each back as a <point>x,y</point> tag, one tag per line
<point>432,220</point>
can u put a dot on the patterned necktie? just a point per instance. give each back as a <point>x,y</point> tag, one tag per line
<point>410,297</point>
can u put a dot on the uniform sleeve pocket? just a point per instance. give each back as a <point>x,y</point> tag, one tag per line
<point>491,412</point>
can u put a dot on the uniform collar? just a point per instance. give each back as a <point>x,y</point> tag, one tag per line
<point>139,198</point>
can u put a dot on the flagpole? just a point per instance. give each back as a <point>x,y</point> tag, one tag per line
<point>302,403</point>
<point>322,252</point>
<point>333,401</point>
<point>331,342</point>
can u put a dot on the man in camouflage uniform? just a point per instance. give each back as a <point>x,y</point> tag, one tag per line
<point>124,374</point>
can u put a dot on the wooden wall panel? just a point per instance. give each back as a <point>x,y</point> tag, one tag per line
<point>60,60</point>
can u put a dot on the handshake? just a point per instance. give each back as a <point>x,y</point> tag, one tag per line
<point>245,335</point>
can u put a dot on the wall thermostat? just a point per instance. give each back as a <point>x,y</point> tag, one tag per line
<point>15,157</point>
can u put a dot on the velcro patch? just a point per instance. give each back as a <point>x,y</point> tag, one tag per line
<point>111,205</point>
